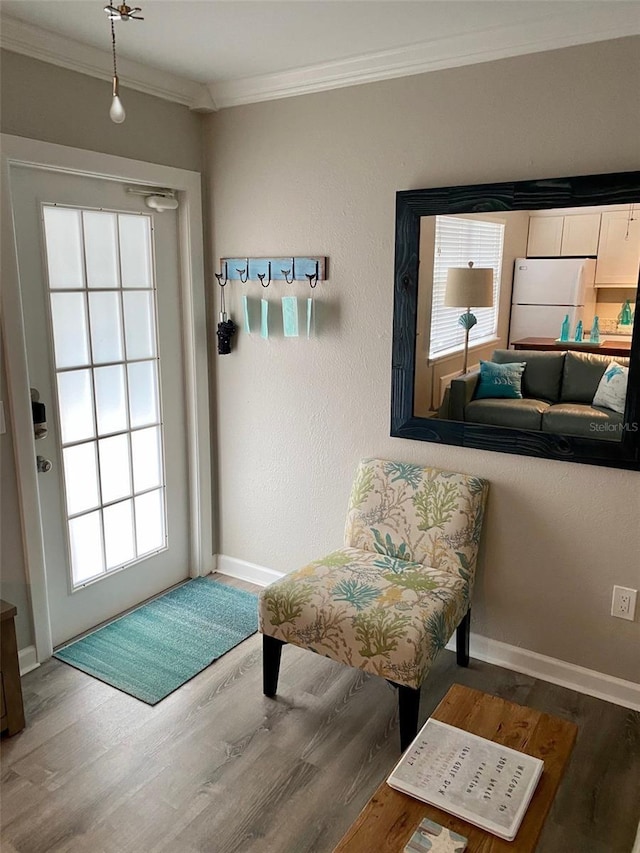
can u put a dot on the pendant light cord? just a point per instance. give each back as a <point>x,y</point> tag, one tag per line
<point>113,48</point>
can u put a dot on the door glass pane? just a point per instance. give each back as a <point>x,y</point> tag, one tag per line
<point>85,539</point>
<point>135,250</point>
<point>143,393</point>
<point>150,522</point>
<point>119,538</point>
<point>115,469</point>
<point>147,459</point>
<point>100,247</point>
<point>106,327</point>
<point>109,411</point>
<point>81,477</point>
<point>139,324</point>
<point>75,401</point>
<point>111,407</point>
<point>70,338</point>
<point>63,232</point>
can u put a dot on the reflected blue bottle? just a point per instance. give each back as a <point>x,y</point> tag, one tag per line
<point>578,336</point>
<point>594,335</point>
<point>564,331</point>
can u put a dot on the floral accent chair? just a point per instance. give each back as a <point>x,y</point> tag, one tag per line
<point>391,598</point>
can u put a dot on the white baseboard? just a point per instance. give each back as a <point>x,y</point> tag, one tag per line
<point>569,675</point>
<point>247,571</point>
<point>27,659</point>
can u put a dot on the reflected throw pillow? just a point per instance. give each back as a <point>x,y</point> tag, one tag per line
<point>612,390</point>
<point>500,380</point>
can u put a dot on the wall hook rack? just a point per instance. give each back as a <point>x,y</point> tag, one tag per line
<point>311,268</point>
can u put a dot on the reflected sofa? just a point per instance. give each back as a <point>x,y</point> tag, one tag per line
<point>557,393</point>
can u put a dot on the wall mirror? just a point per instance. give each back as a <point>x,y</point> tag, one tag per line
<point>547,255</point>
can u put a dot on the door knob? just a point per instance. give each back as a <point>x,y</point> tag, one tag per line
<point>44,465</point>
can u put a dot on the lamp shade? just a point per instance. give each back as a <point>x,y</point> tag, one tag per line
<point>469,287</point>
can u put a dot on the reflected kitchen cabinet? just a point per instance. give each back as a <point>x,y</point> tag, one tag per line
<point>545,236</point>
<point>619,249</point>
<point>580,235</point>
<point>572,236</point>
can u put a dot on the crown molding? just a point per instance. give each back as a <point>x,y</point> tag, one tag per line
<point>20,37</point>
<point>553,32</point>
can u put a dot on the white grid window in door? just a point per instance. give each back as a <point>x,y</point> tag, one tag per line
<point>102,300</point>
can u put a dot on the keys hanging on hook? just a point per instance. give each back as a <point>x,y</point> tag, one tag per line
<point>226,327</point>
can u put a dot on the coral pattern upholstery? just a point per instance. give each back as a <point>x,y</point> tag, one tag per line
<point>390,599</point>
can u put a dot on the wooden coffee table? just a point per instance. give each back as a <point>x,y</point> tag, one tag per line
<point>388,820</point>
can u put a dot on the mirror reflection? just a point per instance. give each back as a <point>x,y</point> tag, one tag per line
<point>525,318</point>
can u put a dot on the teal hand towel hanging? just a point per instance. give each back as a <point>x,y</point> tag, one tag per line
<point>264,319</point>
<point>310,317</point>
<point>245,312</point>
<point>290,316</point>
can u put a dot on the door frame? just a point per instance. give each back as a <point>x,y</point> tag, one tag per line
<point>19,151</point>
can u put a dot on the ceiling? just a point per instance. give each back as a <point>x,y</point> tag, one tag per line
<point>212,53</point>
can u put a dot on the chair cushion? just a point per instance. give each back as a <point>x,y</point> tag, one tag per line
<point>386,616</point>
<point>417,514</point>
<point>518,414</point>
<point>542,374</point>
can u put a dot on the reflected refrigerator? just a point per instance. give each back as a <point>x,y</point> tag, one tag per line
<point>545,290</point>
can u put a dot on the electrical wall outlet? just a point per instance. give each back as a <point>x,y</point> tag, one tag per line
<point>623,603</point>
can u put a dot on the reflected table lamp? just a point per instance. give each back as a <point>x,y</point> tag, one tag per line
<point>468,287</point>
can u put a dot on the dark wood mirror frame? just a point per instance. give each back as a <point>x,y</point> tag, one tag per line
<point>411,206</point>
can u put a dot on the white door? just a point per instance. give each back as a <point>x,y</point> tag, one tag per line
<point>99,278</point>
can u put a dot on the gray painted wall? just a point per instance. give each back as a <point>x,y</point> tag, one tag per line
<point>318,174</point>
<point>43,101</point>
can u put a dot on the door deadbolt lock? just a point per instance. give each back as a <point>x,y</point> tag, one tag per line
<point>44,465</point>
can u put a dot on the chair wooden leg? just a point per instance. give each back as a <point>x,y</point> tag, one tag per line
<point>271,653</point>
<point>462,640</point>
<point>409,706</point>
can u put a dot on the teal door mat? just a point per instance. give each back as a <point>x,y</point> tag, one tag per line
<point>155,649</point>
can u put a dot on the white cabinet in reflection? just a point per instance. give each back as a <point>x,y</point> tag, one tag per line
<point>618,249</point>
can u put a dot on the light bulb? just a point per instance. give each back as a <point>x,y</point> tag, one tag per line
<point>116,112</point>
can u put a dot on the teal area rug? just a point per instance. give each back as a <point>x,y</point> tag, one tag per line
<point>153,650</point>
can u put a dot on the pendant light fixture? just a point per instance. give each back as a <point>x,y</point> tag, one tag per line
<point>117,112</point>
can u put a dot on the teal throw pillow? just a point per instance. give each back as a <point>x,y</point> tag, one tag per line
<point>500,380</point>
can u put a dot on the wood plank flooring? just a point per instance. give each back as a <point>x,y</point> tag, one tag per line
<point>218,768</point>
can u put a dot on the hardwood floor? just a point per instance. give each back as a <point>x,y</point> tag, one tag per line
<point>218,768</point>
